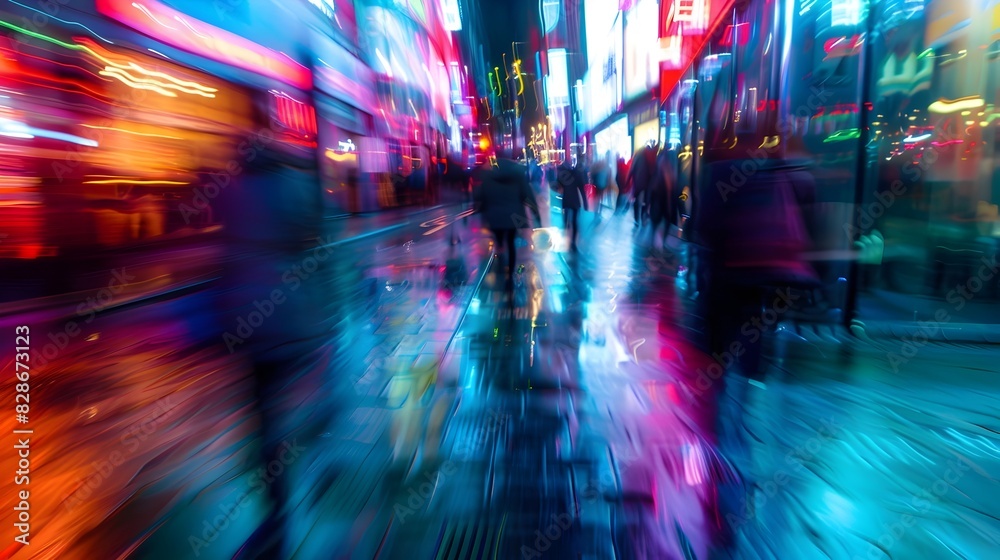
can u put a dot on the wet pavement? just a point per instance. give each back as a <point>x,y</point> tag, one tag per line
<point>569,418</point>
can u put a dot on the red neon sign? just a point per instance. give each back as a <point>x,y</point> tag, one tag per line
<point>183,32</point>
<point>708,16</point>
<point>767,105</point>
<point>843,46</point>
<point>296,116</point>
<point>741,32</point>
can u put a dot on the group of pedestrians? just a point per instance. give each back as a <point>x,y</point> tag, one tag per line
<point>748,244</point>
<point>505,188</point>
<point>571,181</point>
<point>647,185</point>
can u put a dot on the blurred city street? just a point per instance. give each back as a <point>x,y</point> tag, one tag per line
<point>500,279</point>
<point>564,420</point>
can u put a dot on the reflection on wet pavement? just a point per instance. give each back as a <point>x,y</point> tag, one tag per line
<point>416,418</point>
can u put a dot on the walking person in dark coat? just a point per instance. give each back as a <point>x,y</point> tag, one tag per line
<point>621,178</point>
<point>502,195</point>
<point>663,198</point>
<point>642,173</point>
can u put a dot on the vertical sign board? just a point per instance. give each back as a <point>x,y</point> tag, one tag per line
<point>557,82</point>
<point>685,26</point>
<point>611,76</point>
<point>452,15</point>
<point>642,62</point>
<point>455,77</point>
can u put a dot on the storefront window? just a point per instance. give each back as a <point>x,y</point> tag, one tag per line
<point>343,134</point>
<point>929,217</point>
<point>905,171</point>
<point>819,120</point>
<point>614,141</point>
<point>105,164</point>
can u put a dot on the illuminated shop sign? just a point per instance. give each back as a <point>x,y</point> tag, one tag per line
<point>455,75</point>
<point>642,64</point>
<point>294,115</point>
<point>452,15</point>
<point>645,132</point>
<point>685,27</point>
<point>840,47</point>
<point>600,16</point>
<point>611,69</point>
<point>738,34</point>
<point>691,14</point>
<point>183,32</point>
<point>905,75</point>
<point>995,25</point>
<point>557,82</point>
<point>585,93</point>
<point>603,88</point>
<point>670,51</point>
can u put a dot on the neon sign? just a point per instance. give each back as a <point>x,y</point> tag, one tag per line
<point>692,13</point>
<point>452,15</point>
<point>767,105</point>
<point>839,47</point>
<point>294,115</point>
<point>557,82</point>
<point>842,109</point>
<point>739,33</point>
<point>670,51</point>
<point>178,30</point>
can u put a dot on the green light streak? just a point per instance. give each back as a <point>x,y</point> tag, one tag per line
<point>842,135</point>
<point>52,40</point>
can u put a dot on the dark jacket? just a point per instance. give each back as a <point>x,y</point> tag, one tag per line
<point>502,195</point>
<point>572,181</point>
<point>758,228</point>
<point>662,195</point>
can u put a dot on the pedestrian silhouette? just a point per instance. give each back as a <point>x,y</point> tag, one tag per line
<point>502,197</point>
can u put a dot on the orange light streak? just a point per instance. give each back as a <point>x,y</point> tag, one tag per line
<point>133,182</point>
